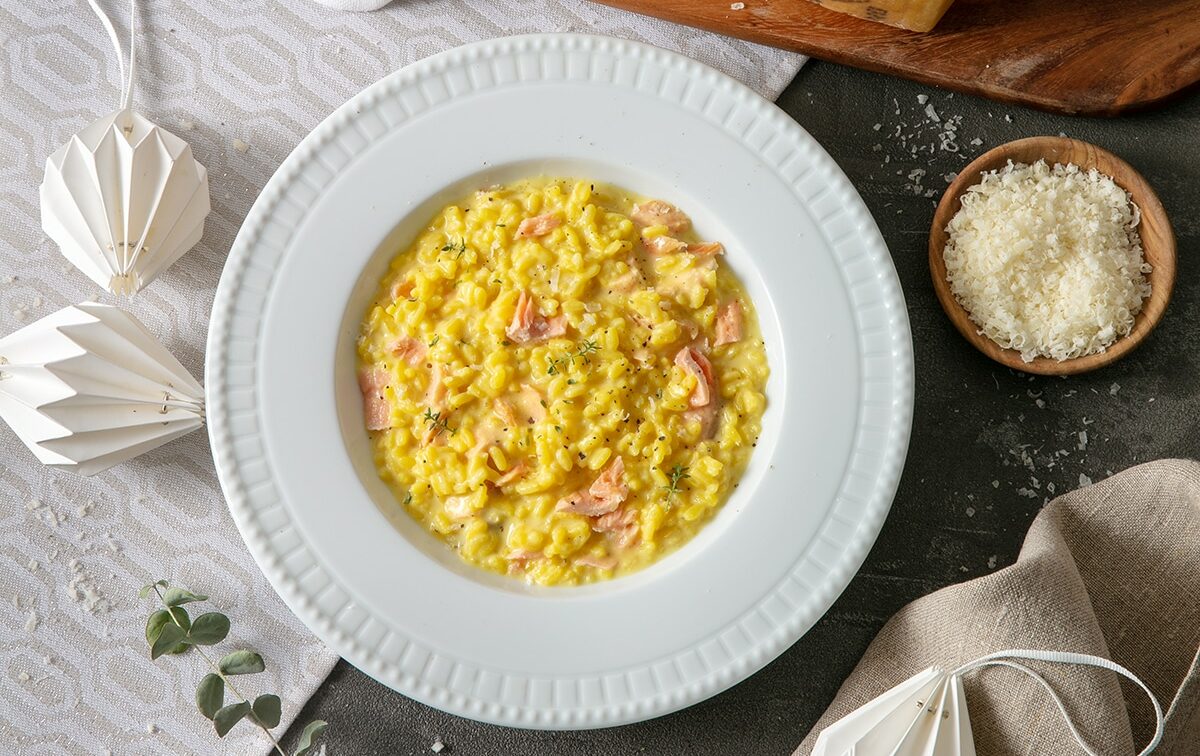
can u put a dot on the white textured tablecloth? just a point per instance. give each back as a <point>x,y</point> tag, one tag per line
<point>243,82</point>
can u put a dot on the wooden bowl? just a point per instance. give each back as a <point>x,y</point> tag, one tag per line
<point>1158,247</point>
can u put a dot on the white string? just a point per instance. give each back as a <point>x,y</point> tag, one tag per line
<point>1004,659</point>
<point>126,82</point>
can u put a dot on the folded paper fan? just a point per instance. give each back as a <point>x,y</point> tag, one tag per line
<point>926,715</point>
<point>123,200</point>
<point>89,387</point>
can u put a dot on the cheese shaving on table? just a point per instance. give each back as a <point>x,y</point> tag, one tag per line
<point>1047,260</point>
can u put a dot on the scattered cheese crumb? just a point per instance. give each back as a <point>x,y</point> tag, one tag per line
<point>33,504</point>
<point>1047,260</point>
<point>151,728</point>
<point>992,562</point>
<point>1084,480</point>
<point>1083,440</point>
<point>186,125</point>
<point>736,6</point>
<point>1114,389</point>
<point>23,676</point>
<point>922,99</point>
<point>995,484</point>
<point>33,565</point>
<point>970,511</point>
<point>31,622</point>
<point>438,745</point>
<point>240,146</point>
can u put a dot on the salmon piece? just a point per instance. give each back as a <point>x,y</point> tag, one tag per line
<point>729,323</point>
<point>663,245</point>
<point>610,486</point>
<point>376,409</point>
<point>435,395</point>
<point>698,366</point>
<point>621,525</point>
<point>706,249</point>
<point>599,562</point>
<point>518,560</point>
<point>515,473</point>
<point>690,283</point>
<point>458,507</point>
<point>403,289</point>
<point>631,280</point>
<point>626,283</point>
<point>529,326</point>
<point>707,417</point>
<point>526,407</point>
<point>604,495</point>
<point>410,350</point>
<point>486,434</point>
<point>529,406</point>
<point>659,213</point>
<point>538,225</point>
<point>435,400</point>
<point>505,411</point>
<point>583,503</point>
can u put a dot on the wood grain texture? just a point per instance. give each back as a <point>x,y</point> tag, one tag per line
<point>1100,57</point>
<point>1158,247</point>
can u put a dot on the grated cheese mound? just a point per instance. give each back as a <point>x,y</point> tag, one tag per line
<point>1047,260</point>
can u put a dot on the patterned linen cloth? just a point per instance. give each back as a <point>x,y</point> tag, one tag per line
<point>243,81</point>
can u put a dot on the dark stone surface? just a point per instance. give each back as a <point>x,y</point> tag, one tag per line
<point>960,512</point>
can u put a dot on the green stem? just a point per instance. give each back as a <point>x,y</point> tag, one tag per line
<point>228,683</point>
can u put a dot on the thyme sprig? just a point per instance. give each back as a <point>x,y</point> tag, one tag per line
<point>459,246</point>
<point>437,422</point>
<point>677,475</point>
<point>583,354</point>
<point>171,630</point>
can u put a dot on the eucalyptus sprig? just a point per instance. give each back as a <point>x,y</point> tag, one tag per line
<point>171,630</point>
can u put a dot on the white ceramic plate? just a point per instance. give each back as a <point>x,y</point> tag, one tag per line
<point>286,418</point>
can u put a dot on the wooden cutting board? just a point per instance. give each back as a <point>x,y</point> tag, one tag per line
<point>1095,57</point>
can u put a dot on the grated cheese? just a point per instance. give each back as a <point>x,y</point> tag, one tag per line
<point>1047,260</point>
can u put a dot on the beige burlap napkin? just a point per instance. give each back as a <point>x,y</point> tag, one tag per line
<point>1112,570</point>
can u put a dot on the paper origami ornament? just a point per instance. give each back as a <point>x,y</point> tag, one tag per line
<point>89,386</point>
<point>124,198</point>
<point>926,715</point>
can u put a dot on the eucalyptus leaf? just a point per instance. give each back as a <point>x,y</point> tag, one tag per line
<point>154,626</point>
<point>180,617</point>
<point>209,628</point>
<point>267,709</point>
<point>311,730</point>
<point>241,663</point>
<point>227,716</point>
<point>169,636</point>
<point>177,596</point>
<point>148,589</point>
<point>210,695</point>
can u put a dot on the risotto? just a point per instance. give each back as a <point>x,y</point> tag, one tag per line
<point>560,380</point>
